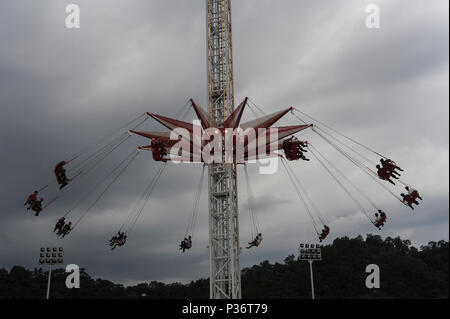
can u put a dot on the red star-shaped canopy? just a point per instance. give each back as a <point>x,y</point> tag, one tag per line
<point>256,135</point>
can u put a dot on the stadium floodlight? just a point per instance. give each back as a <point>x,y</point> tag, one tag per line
<point>51,256</point>
<point>310,253</point>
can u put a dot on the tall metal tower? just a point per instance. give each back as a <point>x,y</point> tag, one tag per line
<point>224,249</point>
<point>225,273</point>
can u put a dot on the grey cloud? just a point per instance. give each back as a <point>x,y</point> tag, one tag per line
<point>61,90</point>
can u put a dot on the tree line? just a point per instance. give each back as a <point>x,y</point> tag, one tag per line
<point>405,272</point>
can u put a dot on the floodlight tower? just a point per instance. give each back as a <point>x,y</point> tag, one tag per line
<point>225,273</point>
<point>50,256</point>
<point>311,253</point>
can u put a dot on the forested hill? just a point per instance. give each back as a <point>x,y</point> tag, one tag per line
<point>405,272</point>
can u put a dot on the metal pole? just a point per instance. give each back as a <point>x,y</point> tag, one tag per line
<point>49,278</point>
<point>225,273</point>
<point>312,279</point>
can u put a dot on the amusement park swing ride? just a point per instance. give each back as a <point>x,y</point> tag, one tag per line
<point>202,142</point>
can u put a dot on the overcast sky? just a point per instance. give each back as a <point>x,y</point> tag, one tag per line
<point>62,89</point>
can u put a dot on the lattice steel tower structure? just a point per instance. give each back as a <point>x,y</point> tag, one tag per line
<point>225,273</point>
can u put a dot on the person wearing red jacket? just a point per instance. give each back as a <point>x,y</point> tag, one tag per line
<point>31,200</point>
<point>60,173</point>
<point>384,174</point>
<point>325,232</point>
<point>380,219</point>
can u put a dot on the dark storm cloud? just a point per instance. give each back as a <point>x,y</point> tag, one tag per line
<point>61,89</point>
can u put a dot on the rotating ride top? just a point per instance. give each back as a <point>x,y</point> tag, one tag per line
<point>249,141</point>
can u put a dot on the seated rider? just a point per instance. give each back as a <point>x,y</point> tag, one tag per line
<point>65,230</point>
<point>411,197</point>
<point>384,174</point>
<point>37,206</point>
<point>380,219</point>
<point>293,150</point>
<point>60,224</point>
<point>159,149</point>
<point>186,243</point>
<point>382,216</point>
<point>113,240</point>
<point>60,173</point>
<point>123,240</point>
<point>390,166</point>
<point>377,220</point>
<point>32,198</point>
<point>255,242</point>
<point>64,179</point>
<point>325,232</point>
<point>407,200</point>
<point>189,243</point>
<point>164,149</point>
<point>183,245</point>
<point>118,240</point>
<point>413,193</point>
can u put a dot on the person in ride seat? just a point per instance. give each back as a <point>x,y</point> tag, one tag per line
<point>390,166</point>
<point>64,179</point>
<point>113,240</point>
<point>65,230</point>
<point>255,242</point>
<point>156,143</point>
<point>385,175</point>
<point>189,243</point>
<point>37,206</point>
<point>390,172</point>
<point>411,198</point>
<point>183,245</point>
<point>164,149</point>
<point>32,198</point>
<point>286,144</point>
<point>293,150</point>
<point>120,238</point>
<point>413,193</point>
<point>123,240</point>
<point>407,200</point>
<point>325,232</point>
<point>60,173</point>
<point>186,243</point>
<point>383,217</point>
<point>380,219</point>
<point>377,220</point>
<point>258,239</point>
<point>59,224</point>
<point>117,240</point>
<point>252,244</point>
<point>159,149</point>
